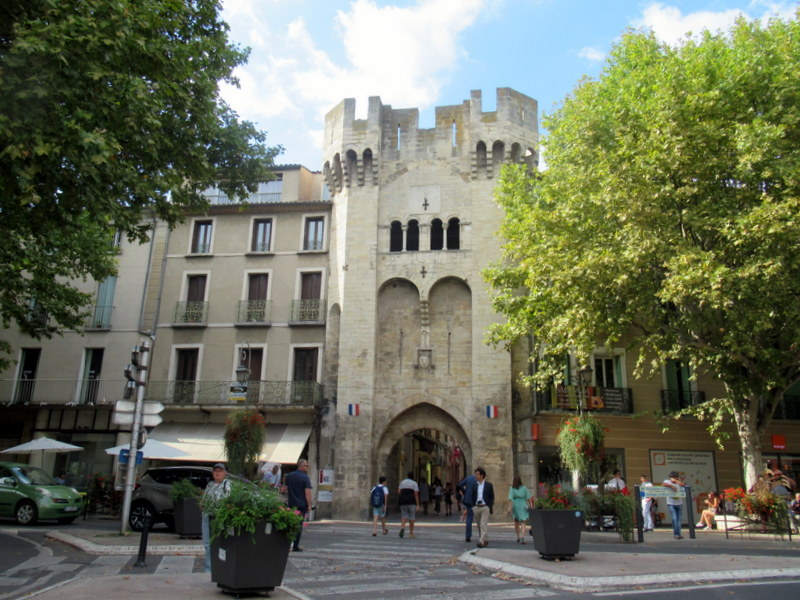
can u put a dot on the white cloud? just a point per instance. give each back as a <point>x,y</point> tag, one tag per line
<point>592,54</point>
<point>402,53</point>
<point>671,25</point>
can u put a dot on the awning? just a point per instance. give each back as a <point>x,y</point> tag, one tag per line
<point>204,442</point>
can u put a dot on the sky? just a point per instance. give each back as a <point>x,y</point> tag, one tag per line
<point>306,56</point>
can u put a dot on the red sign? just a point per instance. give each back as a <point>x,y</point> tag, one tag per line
<point>779,442</point>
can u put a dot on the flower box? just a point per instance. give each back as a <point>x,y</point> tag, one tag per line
<point>187,518</point>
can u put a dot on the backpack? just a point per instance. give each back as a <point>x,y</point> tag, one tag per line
<point>376,497</point>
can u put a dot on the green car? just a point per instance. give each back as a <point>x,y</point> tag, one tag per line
<point>28,494</point>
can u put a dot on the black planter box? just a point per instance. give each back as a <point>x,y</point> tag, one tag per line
<point>187,517</point>
<point>245,563</point>
<point>556,533</point>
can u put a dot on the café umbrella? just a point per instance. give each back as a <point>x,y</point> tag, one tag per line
<point>152,449</point>
<point>45,445</point>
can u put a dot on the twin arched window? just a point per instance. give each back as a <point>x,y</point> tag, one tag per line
<point>441,237</point>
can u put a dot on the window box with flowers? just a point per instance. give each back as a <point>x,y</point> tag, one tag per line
<point>556,524</point>
<point>251,533</point>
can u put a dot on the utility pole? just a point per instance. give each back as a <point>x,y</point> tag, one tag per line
<point>136,374</point>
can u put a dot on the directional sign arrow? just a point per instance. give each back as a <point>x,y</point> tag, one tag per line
<point>125,406</point>
<point>119,418</point>
<point>152,408</point>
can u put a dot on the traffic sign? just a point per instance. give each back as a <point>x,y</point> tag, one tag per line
<point>127,419</point>
<point>152,408</point>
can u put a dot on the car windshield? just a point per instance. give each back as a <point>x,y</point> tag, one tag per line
<point>34,476</point>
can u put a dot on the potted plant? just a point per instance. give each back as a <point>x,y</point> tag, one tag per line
<point>556,524</point>
<point>760,506</point>
<point>251,533</point>
<point>186,508</point>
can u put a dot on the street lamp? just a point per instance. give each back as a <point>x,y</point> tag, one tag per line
<point>242,371</point>
<point>584,379</point>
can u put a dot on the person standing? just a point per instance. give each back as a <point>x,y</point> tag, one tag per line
<point>379,512</point>
<point>408,492</point>
<point>272,476</point>
<point>617,483</point>
<point>484,501</point>
<point>424,495</point>
<point>519,501</point>
<point>298,488</point>
<point>217,488</point>
<point>675,504</point>
<point>438,492</point>
<point>448,500</point>
<point>647,504</point>
<point>467,488</point>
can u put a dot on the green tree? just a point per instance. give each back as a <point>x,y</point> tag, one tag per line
<point>110,115</point>
<point>669,217</point>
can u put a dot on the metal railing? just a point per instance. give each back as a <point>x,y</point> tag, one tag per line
<point>308,311</point>
<point>218,393</point>
<point>570,397</point>
<point>60,391</point>
<point>191,313</point>
<point>101,317</point>
<point>674,400</point>
<point>253,312</point>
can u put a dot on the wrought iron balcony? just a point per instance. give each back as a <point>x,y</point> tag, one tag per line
<point>672,400</point>
<point>60,391</point>
<point>192,313</point>
<point>571,397</point>
<point>308,312</point>
<point>101,318</point>
<point>217,393</point>
<point>253,312</point>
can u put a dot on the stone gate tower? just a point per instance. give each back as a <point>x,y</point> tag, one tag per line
<point>414,223</point>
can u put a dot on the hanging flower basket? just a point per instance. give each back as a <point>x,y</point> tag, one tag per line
<point>244,439</point>
<point>581,442</point>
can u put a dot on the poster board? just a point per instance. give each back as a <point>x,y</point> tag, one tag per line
<point>697,468</point>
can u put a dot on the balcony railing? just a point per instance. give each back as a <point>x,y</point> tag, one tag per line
<point>253,312</point>
<point>60,391</point>
<point>570,397</point>
<point>101,318</point>
<point>217,393</point>
<point>674,400</point>
<point>192,313</point>
<point>308,312</point>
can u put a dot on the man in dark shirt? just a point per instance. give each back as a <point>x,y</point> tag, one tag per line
<point>298,489</point>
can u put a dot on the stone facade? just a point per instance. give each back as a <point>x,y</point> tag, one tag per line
<point>414,224</point>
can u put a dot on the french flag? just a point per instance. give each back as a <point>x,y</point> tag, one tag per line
<point>353,409</point>
<point>491,411</point>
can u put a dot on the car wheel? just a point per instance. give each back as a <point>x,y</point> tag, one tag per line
<point>139,512</point>
<point>66,520</point>
<point>26,513</point>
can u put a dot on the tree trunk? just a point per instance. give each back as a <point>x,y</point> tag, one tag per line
<point>749,439</point>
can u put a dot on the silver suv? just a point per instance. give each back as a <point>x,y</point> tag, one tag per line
<point>151,498</point>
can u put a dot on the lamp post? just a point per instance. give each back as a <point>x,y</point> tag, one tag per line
<point>243,370</point>
<point>584,379</point>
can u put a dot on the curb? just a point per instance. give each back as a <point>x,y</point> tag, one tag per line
<point>92,548</point>
<point>601,584</point>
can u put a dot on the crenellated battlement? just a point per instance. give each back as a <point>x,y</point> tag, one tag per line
<point>476,142</point>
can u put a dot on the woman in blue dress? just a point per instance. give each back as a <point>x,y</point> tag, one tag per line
<point>519,501</point>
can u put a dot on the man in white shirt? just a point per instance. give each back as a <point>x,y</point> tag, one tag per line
<point>616,483</point>
<point>675,505</point>
<point>647,504</point>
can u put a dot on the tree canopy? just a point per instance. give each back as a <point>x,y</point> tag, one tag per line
<point>669,218</point>
<point>110,114</point>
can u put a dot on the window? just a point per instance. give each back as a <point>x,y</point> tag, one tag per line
<point>412,236</point>
<point>305,364</point>
<point>313,235</point>
<point>262,235</point>
<point>186,374</point>
<point>26,376</point>
<point>396,237</point>
<point>254,309</point>
<point>437,235</point>
<point>269,191</point>
<point>193,310</point>
<point>201,240</point>
<point>453,234</point>
<point>608,371</point>
<point>309,309</point>
<point>92,365</point>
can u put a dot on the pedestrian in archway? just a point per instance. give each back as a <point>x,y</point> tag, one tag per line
<point>438,492</point>
<point>408,493</point>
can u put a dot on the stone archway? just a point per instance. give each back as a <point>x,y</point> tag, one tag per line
<point>422,417</point>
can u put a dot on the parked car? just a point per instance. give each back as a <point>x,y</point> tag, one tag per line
<point>151,497</point>
<point>28,494</point>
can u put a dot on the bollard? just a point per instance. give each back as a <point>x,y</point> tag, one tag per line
<point>140,559</point>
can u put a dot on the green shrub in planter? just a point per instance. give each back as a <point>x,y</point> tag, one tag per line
<point>184,488</point>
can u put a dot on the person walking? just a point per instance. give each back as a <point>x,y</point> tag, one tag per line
<point>675,504</point>
<point>448,500</point>
<point>298,489</point>
<point>484,501</point>
<point>408,492</point>
<point>467,490</point>
<point>424,495</point>
<point>647,504</point>
<point>438,492</point>
<point>379,493</point>
<point>519,501</point>
<point>217,488</point>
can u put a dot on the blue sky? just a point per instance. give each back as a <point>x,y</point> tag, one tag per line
<point>308,55</point>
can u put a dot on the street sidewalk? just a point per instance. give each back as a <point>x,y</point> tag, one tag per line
<point>602,564</point>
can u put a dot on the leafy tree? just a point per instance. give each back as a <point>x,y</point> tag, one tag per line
<point>669,217</point>
<point>110,114</point>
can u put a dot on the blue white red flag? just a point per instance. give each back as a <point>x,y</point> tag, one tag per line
<point>353,409</point>
<point>491,411</point>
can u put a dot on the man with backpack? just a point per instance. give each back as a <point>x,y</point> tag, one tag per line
<point>378,499</point>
